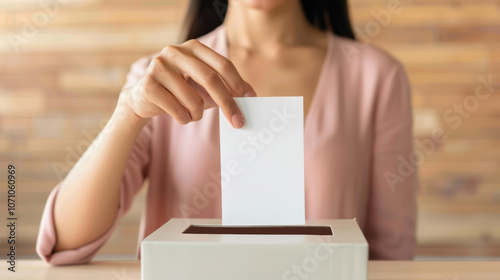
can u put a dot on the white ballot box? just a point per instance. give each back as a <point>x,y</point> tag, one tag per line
<point>200,249</point>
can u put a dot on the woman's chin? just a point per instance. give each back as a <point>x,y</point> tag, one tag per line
<point>263,4</point>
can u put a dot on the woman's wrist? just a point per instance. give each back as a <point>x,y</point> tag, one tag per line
<point>125,117</point>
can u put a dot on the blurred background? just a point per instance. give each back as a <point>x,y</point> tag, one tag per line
<point>62,64</point>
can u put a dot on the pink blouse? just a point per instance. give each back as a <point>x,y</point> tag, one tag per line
<point>358,133</point>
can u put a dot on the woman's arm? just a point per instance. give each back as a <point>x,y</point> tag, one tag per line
<point>134,173</point>
<point>181,81</point>
<point>391,215</point>
<point>87,203</point>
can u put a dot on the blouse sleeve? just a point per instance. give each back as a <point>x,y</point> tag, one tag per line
<point>392,206</point>
<point>133,177</point>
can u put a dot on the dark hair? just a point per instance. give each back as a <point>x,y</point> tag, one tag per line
<point>204,16</point>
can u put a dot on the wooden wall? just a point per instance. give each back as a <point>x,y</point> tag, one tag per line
<point>59,82</point>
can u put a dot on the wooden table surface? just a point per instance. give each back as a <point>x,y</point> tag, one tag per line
<point>377,270</point>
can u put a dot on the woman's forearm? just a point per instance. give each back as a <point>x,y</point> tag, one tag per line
<point>88,200</point>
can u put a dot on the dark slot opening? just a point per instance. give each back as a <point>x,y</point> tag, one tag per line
<point>263,230</point>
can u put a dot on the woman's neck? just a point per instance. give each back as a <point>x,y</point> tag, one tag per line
<point>263,30</point>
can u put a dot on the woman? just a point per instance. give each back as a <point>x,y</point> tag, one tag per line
<point>165,128</point>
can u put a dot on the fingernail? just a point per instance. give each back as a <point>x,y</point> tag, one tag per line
<point>248,94</point>
<point>238,120</point>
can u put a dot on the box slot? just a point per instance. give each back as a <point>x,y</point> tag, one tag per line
<point>259,230</point>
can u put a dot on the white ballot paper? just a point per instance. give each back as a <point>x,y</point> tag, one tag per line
<point>262,164</point>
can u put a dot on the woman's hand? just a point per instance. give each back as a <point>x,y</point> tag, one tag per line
<point>183,81</point>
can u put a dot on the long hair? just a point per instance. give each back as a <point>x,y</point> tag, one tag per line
<point>204,16</point>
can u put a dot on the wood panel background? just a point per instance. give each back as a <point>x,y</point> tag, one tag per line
<point>60,82</point>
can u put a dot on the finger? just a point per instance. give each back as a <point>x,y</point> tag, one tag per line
<point>208,78</point>
<point>223,66</point>
<point>178,86</point>
<point>160,96</point>
<point>209,102</point>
